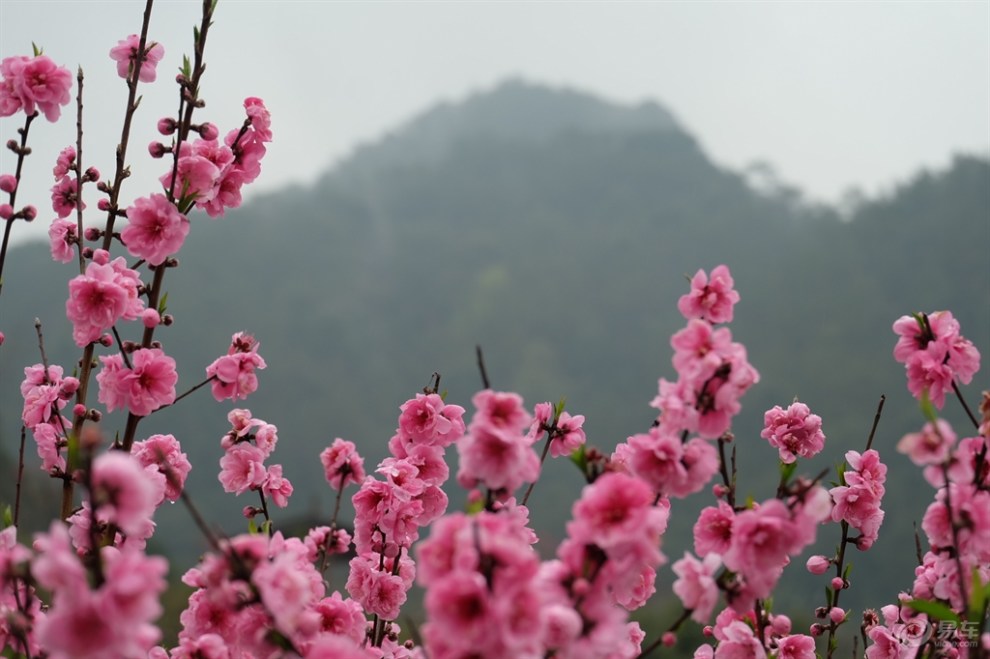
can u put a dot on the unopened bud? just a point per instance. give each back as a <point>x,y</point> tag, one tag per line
<point>103,187</point>
<point>92,233</point>
<point>29,213</point>
<point>150,318</point>
<point>79,410</point>
<point>8,183</point>
<point>838,583</point>
<point>669,639</point>
<point>816,629</point>
<point>94,415</point>
<point>106,340</point>
<point>836,615</point>
<point>166,125</point>
<point>157,149</point>
<point>88,252</point>
<point>167,319</point>
<point>6,211</point>
<point>157,345</point>
<point>92,174</point>
<point>818,564</point>
<point>209,131</point>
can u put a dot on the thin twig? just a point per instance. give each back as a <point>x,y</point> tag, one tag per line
<point>79,169</point>
<point>20,477</point>
<point>876,422</point>
<point>22,151</point>
<point>485,383</point>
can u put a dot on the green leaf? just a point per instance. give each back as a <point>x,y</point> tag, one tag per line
<point>927,408</point>
<point>786,471</point>
<point>37,51</point>
<point>8,517</point>
<point>580,458</point>
<point>72,453</point>
<point>252,527</point>
<point>935,610</point>
<point>845,572</point>
<point>161,304</point>
<point>558,409</point>
<point>186,69</point>
<point>978,596</point>
<point>475,507</point>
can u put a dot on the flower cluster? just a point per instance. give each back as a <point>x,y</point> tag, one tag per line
<point>793,432</point>
<point>33,84</point>
<point>247,445</point>
<point>233,376</point>
<point>141,386</point>
<point>858,499</point>
<point>497,451</point>
<point>934,353</point>
<point>107,292</point>
<point>713,371</point>
<point>211,172</point>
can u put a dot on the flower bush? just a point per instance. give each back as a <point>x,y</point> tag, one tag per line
<point>87,587</point>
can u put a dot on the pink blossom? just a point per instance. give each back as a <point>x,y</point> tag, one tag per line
<point>261,120</point>
<point>277,487</point>
<point>8,183</point>
<point>106,293</point>
<point>710,299</point>
<point>713,530</point>
<point>126,54</point>
<point>31,83</point>
<point>858,502</point>
<point>65,198</point>
<point>934,352</point>
<point>155,229</point>
<point>695,585</point>
<point>242,468</point>
<point>164,453</point>
<point>62,235</point>
<point>496,457</point>
<point>378,592</point>
<point>65,162</point>
<point>798,646</point>
<point>342,464</point>
<point>794,432</point>
<point>739,642</point>
<point>818,564</point>
<point>148,385</point>
<point>234,374</point>
<point>426,419</point>
<point>930,446</point>
<point>568,436</point>
<point>123,492</point>
<point>500,409</point>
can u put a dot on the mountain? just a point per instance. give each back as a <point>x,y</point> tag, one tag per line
<point>555,230</point>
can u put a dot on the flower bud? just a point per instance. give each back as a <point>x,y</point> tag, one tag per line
<point>6,212</point>
<point>29,213</point>
<point>13,145</point>
<point>836,615</point>
<point>209,131</point>
<point>92,233</point>
<point>103,204</point>
<point>669,639</point>
<point>101,256</point>
<point>68,388</point>
<point>818,564</point>
<point>708,631</point>
<point>157,149</point>
<point>168,319</point>
<point>166,125</point>
<point>719,490</point>
<point>838,583</point>
<point>79,410</point>
<point>94,415</point>
<point>150,318</point>
<point>87,252</point>
<point>92,174</point>
<point>2,337</point>
<point>8,183</point>
<point>816,629</point>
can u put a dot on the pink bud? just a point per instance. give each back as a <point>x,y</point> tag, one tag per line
<point>719,490</point>
<point>79,410</point>
<point>157,149</point>
<point>166,125</point>
<point>106,340</point>
<point>816,629</point>
<point>68,388</point>
<point>6,212</point>
<point>2,337</point>
<point>863,543</point>
<point>8,183</point>
<point>249,511</point>
<point>818,564</point>
<point>836,615</point>
<point>209,131</point>
<point>103,204</point>
<point>781,625</point>
<point>29,213</point>
<point>92,233</point>
<point>150,318</point>
<point>838,583</point>
<point>92,174</point>
<point>708,631</point>
<point>101,256</point>
<point>669,639</point>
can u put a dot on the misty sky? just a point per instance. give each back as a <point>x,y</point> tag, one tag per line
<point>832,94</point>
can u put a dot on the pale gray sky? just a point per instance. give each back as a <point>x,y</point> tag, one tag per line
<point>833,94</point>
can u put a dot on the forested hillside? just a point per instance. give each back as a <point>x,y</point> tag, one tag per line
<point>555,230</point>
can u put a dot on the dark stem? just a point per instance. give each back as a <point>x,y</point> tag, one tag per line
<point>543,457</point>
<point>954,525</point>
<point>673,628</point>
<point>485,383</point>
<point>20,477</point>
<point>962,401</point>
<point>834,600</point>
<point>79,169</point>
<point>186,393</point>
<point>876,422</point>
<point>264,511</point>
<point>21,153</point>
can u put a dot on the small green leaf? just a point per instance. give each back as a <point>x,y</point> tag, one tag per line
<point>786,471</point>
<point>558,409</point>
<point>935,610</point>
<point>72,453</point>
<point>8,517</point>
<point>927,408</point>
<point>162,304</point>
<point>978,595</point>
<point>186,69</point>
<point>580,458</point>
<point>845,572</point>
<point>37,51</point>
<point>475,507</point>
<point>252,527</point>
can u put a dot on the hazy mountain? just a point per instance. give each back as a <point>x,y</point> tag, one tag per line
<point>555,230</point>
